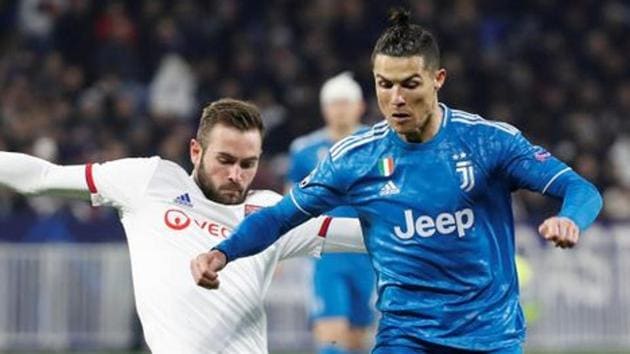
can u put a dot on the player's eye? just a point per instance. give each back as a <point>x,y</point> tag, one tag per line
<point>225,161</point>
<point>385,84</point>
<point>248,164</point>
<point>411,84</point>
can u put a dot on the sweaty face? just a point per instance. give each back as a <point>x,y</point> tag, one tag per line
<point>225,168</point>
<point>407,93</point>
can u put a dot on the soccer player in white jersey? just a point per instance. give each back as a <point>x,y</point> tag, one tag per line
<point>171,216</point>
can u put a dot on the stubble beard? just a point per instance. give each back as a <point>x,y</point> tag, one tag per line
<point>213,193</point>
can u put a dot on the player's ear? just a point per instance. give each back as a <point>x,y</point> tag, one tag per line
<point>196,151</point>
<point>439,78</point>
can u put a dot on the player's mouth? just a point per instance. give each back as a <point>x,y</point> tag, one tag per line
<point>231,196</point>
<point>400,117</point>
<point>231,189</point>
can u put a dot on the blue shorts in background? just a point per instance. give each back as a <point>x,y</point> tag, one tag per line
<point>343,286</point>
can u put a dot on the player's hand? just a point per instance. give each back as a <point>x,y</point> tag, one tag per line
<point>563,232</point>
<point>205,268</point>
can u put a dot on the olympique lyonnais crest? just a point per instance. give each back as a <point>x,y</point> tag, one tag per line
<point>250,208</point>
<point>386,166</point>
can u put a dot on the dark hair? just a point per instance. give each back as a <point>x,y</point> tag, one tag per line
<point>404,39</point>
<point>232,113</point>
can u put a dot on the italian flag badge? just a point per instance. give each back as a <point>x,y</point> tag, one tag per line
<point>386,166</point>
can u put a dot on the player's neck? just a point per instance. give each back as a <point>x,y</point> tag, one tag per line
<point>428,130</point>
<point>338,133</point>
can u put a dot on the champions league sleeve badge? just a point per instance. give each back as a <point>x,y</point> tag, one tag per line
<point>306,179</point>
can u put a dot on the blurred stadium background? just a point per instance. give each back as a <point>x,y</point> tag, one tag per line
<point>88,80</point>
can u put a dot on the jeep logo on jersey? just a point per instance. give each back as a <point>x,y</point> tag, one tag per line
<point>444,224</point>
<point>177,220</point>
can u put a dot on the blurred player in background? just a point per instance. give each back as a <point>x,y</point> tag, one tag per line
<point>171,216</point>
<point>343,283</point>
<point>432,188</point>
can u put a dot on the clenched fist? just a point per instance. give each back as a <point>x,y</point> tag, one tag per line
<point>205,268</point>
<point>563,232</point>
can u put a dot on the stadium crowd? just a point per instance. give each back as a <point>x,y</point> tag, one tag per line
<point>93,81</point>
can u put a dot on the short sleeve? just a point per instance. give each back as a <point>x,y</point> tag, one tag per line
<point>120,183</point>
<point>530,166</point>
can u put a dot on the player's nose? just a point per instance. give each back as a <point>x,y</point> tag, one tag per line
<point>397,98</point>
<point>235,173</point>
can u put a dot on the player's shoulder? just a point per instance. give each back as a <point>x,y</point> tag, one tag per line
<point>131,165</point>
<point>312,139</point>
<point>262,198</point>
<point>171,167</point>
<point>137,161</point>
<point>474,124</point>
<point>362,144</point>
<point>169,174</point>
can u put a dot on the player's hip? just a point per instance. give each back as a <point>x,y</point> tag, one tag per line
<point>439,349</point>
<point>435,332</point>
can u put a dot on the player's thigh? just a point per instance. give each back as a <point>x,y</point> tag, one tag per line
<point>331,294</point>
<point>362,288</point>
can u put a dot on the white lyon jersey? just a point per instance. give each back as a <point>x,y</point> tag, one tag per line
<point>168,222</point>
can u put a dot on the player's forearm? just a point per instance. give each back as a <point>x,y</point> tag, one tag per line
<point>581,203</point>
<point>261,229</point>
<point>31,175</point>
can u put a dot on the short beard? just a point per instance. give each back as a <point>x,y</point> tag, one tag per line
<point>212,192</point>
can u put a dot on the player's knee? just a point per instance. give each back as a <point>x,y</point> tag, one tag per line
<point>357,338</point>
<point>333,331</point>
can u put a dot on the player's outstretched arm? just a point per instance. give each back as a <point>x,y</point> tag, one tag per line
<point>253,235</point>
<point>581,204</point>
<point>336,234</point>
<point>31,175</point>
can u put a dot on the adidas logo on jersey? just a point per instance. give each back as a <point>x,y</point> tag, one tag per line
<point>184,200</point>
<point>389,189</point>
